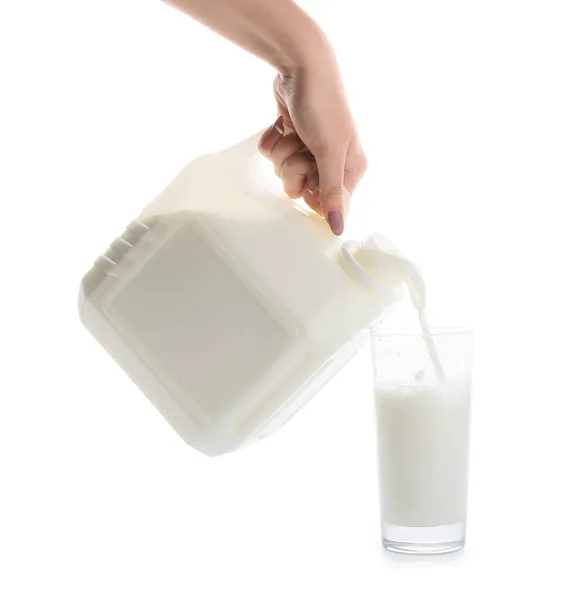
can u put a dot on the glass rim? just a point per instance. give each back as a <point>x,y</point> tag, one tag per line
<point>385,331</point>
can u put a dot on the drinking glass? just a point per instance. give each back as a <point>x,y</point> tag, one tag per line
<point>422,388</point>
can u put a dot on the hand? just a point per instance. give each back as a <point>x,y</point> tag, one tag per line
<point>314,145</point>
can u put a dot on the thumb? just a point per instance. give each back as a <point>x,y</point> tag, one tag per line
<point>333,195</point>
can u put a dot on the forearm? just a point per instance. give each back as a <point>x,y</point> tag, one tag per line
<point>277,31</point>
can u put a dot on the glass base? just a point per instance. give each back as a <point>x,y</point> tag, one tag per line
<point>439,539</point>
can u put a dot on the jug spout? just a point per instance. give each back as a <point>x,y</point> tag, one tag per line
<point>384,268</point>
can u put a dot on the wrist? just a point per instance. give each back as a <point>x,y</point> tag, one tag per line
<point>304,48</point>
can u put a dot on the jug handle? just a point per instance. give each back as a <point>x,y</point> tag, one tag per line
<point>247,148</point>
<point>249,169</point>
<point>245,154</point>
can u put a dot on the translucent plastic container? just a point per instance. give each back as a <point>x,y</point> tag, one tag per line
<point>230,306</point>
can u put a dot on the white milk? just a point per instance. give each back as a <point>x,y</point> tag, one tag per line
<point>423,452</point>
<point>430,343</point>
<point>423,437</point>
<point>230,307</point>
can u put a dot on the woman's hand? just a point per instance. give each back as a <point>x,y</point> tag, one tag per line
<point>314,145</point>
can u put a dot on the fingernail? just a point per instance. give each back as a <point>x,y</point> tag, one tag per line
<point>335,221</point>
<point>313,182</point>
<point>279,125</point>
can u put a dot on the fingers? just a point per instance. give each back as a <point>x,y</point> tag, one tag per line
<point>278,147</point>
<point>284,149</point>
<point>333,195</point>
<point>271,137</point>
<point>313,181</point>
<point>339,176</point>
<point>295,173</point>
<point>312,198</point>
<point>355,167</point>
<point>292,162</point>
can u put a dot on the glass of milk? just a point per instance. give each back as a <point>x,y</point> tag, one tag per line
<point>422,394</point>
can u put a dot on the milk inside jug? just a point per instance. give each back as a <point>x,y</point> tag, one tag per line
<point>230,306</point>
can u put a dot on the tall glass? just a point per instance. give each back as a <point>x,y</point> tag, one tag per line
<point>422,394</point>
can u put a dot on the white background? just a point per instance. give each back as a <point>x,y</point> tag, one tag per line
<point>475,118</point>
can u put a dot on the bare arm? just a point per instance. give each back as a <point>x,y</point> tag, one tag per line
<point>277,31</point>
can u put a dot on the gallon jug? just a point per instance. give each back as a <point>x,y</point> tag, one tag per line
<point>230,306</point>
